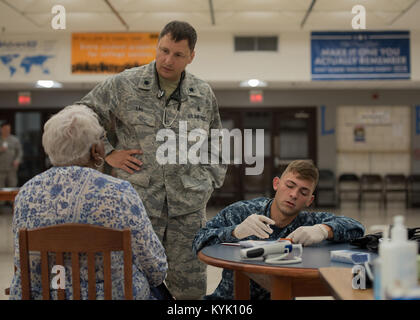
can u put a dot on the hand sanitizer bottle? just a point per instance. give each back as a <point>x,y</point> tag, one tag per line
<point>398,260</point>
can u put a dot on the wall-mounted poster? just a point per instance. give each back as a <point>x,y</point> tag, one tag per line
<point>26,58</point>
<point>111,52</point>
<point>359,133</point>
<point>362,55</point>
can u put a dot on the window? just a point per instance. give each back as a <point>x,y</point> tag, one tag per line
<point>248,43</point>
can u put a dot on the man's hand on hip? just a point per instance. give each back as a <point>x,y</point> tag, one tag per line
<point>124,160</point>
<point>15,164</point>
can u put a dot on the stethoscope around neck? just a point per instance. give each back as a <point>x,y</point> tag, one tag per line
<point>176,95</point>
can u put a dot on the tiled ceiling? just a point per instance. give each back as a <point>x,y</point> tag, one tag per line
<point>240,16</point>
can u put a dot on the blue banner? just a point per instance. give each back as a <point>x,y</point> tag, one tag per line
<point>365,55</point>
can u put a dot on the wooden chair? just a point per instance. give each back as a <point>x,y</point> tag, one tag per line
<point>75,239</point>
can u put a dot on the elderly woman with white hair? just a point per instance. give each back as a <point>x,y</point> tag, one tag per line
<point>72,191</point>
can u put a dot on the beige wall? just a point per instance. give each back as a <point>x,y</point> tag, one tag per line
<point>215,59</point>
<point>387,139</point>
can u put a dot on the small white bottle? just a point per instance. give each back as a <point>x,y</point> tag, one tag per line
<point>378,283</point>
<point>398,260</point>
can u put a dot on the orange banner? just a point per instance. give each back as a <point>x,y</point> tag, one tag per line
<point>111,52</point>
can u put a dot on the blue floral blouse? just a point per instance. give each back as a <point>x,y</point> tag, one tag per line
<point>83,195</point>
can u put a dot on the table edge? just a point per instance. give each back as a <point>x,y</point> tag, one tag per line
<point>301,273</point>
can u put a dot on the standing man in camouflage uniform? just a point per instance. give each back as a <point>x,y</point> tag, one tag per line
<point>10,157</point>
<point>133,106</point>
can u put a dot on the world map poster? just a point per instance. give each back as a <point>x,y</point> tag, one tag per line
<point>26,57</point>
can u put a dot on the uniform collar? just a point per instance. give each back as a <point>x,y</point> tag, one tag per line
<point>148,81</point>
<point>267,208</point>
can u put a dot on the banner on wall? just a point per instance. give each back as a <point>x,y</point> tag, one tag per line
<point>374,117</point>
<point>111,52</point>
<point>364,55</point>
<point>27,57</point>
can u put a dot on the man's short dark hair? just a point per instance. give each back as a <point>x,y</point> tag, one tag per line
<point>305,169</point>
<point>5,123</point>
<point>180,30</point>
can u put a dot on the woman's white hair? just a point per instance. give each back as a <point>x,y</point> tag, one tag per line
<point>69,135</point>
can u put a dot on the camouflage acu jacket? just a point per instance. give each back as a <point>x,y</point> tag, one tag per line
<point>13,152</point>
<point>219,229</point>
<point>131,113</point>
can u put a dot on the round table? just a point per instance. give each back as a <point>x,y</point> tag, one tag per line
<point>283,281</point>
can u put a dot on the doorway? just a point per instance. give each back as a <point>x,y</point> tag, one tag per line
<point>289,134</point>
<point>27,126</point>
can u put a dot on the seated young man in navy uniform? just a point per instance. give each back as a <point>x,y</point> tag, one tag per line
<point>271,219</point>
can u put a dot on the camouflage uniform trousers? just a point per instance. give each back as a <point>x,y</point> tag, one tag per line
<point>186,276</point>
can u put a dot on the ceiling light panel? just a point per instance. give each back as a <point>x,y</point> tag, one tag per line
<point>258,20</point>
<point>13,22</point>
<point>370,5</point>
<point>82,22</point>
<point>156,21</point>
<point>261,5</point>
<point>45,6</point>
<point>342,20</point>
<point>161,5</point>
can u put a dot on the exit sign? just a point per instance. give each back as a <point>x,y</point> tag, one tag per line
<point>24,98</point>
<point>256,96</point>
